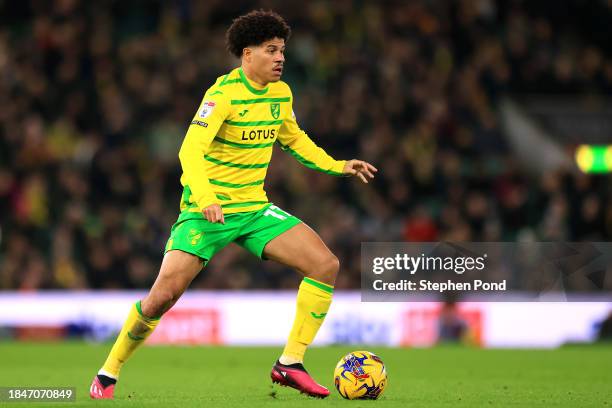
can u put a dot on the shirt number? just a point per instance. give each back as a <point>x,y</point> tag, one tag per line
<point>276,212</point>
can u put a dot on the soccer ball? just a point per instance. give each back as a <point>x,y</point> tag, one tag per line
<point>360,375</point>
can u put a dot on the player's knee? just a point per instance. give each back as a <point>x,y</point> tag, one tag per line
<point>326,270</point>
<point>334,266</point>
<point>158,303</point>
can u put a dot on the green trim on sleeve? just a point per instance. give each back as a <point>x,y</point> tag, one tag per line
<point>308,163</point>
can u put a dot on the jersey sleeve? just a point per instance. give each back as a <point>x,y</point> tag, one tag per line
<point>295,141</point>
<point>213,110</point>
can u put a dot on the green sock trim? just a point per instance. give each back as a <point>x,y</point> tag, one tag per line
<point>323,286</point>
<point>142,314</point>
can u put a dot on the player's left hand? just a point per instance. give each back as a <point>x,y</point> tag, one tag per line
<point>360,169</point>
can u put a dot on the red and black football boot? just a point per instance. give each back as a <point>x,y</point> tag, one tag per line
<point>102,387</point>
<point>296,376</point>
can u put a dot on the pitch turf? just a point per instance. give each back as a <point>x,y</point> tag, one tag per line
<point>238,377</point>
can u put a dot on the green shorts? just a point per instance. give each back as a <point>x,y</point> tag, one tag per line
<point>192,233</point>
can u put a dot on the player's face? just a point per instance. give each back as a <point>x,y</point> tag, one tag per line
<point>268,59</point>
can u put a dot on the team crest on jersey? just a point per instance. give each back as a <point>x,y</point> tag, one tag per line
<point>207,108</point>
<point>275,110</point>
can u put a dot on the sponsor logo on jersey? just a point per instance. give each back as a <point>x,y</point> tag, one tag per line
<point>207,108</point>
<point>275,110</point>
<point>199,123</point>
<point>259,134</point>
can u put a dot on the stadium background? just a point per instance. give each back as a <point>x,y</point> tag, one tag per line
<point>96,96</point>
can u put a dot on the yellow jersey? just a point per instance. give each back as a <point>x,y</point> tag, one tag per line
<point>228,146</point>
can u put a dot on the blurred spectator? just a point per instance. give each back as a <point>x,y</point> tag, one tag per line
<point>605,329</point>
<point>451,327</point>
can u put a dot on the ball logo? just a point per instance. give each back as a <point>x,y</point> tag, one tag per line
<point>360,375</point>
<point>354,366</point>
<point>207,108</point>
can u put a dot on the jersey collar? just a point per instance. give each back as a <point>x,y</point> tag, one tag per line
<point>250,87</point>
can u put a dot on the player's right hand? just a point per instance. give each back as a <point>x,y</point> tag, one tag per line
<point>214,213</point>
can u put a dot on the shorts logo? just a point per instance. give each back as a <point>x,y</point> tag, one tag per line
<point>275,110</point>
<point>194,236</point>
<point>207,108</point>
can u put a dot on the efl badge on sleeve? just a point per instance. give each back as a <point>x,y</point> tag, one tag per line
<point>207,108</point>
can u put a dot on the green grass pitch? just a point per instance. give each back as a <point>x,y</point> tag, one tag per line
<point>239,377</point>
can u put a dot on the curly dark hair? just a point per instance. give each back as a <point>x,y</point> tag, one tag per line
<point>255,28</point>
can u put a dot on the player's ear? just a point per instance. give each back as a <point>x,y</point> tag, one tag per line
<point>247,53</point>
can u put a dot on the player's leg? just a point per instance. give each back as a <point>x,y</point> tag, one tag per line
<point>192,240</point>
<point>274,234</point>
<point>302,249</point>
<point>177,270</point>
<point>176,273</point>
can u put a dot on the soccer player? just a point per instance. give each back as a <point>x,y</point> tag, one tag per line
<point>224,157</point>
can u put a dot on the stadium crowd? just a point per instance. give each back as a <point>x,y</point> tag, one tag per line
<point>96,98</point>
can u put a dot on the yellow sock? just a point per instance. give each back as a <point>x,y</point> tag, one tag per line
<point>313,300</point>
<point>136,329</point>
